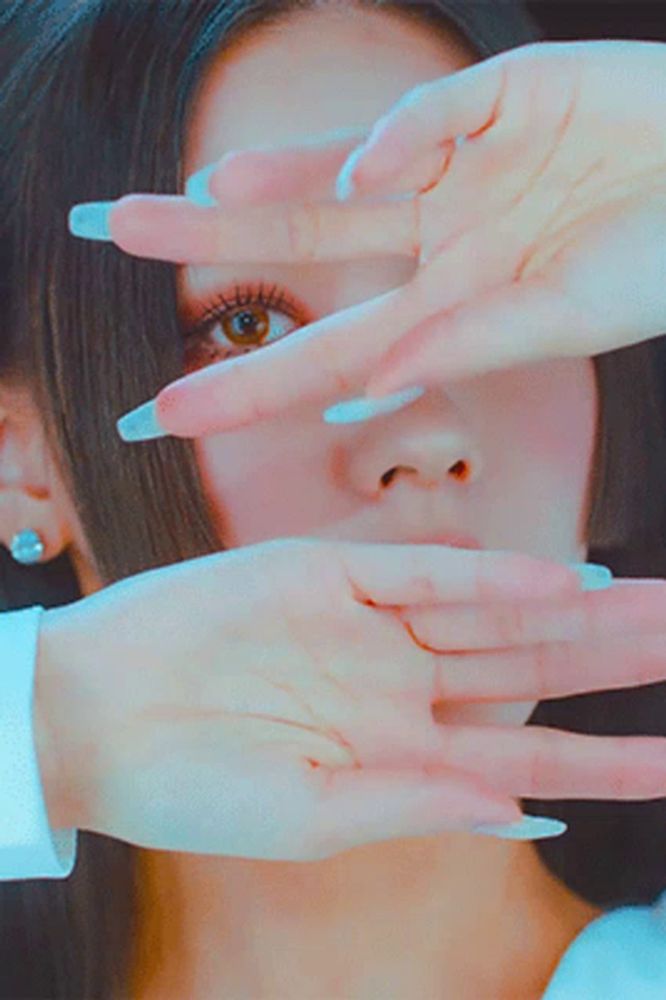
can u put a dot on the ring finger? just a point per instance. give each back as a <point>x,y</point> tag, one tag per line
<point>552,670</point>
<point>541,762</point>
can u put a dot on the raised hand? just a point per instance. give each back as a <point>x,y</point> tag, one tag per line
<point>540,236</point>
<point>225,705</point>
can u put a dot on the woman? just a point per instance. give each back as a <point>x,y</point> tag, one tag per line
<point>240,920</point>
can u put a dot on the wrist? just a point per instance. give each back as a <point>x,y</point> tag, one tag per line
<point>55,702</point>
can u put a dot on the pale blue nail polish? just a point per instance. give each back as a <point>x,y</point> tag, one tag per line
<point>356,410</point>
<point>196,188</point>
<point>90,220</point>
<point>529,828</point>
<point>141,424</point>
<point>593,575</point>
<point>344,187</point>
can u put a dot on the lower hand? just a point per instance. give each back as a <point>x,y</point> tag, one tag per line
<point>225,706</point>
<point>541,236</point>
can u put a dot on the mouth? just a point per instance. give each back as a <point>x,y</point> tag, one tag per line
<point>453,541</point>
<point>459,542</point>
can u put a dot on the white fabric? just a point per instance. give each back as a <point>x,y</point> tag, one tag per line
<point>619,956</point>
<point>28,846</point>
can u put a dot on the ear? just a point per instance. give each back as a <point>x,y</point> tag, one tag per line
<point>31,491</point>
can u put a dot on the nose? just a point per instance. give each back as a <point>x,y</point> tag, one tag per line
<point>461,470</point>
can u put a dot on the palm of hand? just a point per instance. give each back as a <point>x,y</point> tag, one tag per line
<point>542,205</point>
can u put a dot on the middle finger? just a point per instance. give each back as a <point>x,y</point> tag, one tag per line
<point>172,228</point>
<point>628,607</point>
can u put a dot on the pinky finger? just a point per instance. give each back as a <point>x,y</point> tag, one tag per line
<point>357,807</point>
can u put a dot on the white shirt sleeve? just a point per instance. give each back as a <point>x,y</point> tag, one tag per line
<point>29,848</point>
<point>619,956</point>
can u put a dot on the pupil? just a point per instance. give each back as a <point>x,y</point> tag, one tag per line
<point>246,320</point>
<point>247,326</point>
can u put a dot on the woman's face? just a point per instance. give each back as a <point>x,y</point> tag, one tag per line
<point>526,435</point>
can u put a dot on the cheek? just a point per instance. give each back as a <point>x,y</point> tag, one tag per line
<point>228,478</point>
<point>550,412</point>
<point>257,488</point>
<point>568,424</point>
<point>566,436</point>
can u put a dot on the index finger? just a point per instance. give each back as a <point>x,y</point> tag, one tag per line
<point>330,356</point>
<point>172,228</point>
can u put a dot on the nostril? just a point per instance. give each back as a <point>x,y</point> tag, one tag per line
<point>389,476</point>
<point>460,470</point>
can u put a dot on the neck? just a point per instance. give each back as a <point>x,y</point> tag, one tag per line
<point>452,915</point>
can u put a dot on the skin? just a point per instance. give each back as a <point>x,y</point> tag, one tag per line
<point>527,434</point>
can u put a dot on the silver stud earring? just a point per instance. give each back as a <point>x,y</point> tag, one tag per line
<point>27,547</point>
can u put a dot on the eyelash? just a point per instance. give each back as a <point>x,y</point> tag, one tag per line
<point>242,296</point>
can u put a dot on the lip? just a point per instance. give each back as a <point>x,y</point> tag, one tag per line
<point>453,541</point>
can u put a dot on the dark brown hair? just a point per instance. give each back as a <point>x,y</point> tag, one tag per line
<point>95,99</point>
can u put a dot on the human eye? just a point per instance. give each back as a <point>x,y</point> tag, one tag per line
<point>238,321</point>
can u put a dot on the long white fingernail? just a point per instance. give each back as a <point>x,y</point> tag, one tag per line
<point>196,188</point>
<point>353,411</point>
<point>528,828</point>
<point>141,424</point>
<point>90,220</point>
<point>344,186</point>
<point>593,575</point>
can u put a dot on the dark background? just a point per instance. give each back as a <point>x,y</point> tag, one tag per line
<point>628,868</point>
<point>568,20</point>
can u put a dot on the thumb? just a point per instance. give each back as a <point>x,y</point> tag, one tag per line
<point>510,326</point>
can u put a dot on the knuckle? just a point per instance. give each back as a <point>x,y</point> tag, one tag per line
<point>509,623</point>
<point>540,767</point>
<point>552,662</point>
<point>303,225</point>
<point>653,772</point>
<point>328,355</point>
<point>630,777</point>
<point>620,775</point>
<point>543,659</point>
<point>533,772</point>
<point>587,620</point>
<point>485,581</point>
